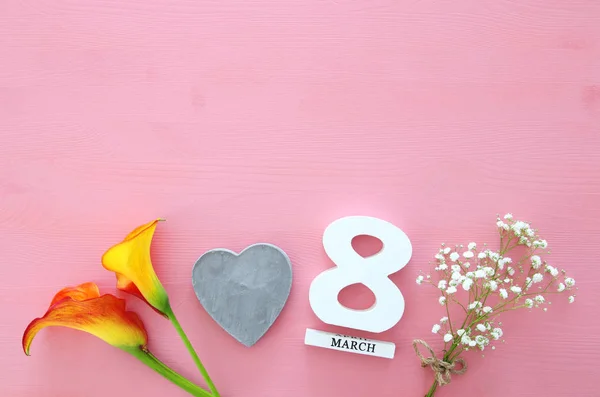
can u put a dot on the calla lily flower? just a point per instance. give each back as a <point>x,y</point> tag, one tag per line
<point>131,262</point>
<point>105,316</point>
<point>84,309</point>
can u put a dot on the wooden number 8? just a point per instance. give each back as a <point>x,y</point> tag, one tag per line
<point>351,268</point>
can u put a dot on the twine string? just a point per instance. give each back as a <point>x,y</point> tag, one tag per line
<point>443,370</point>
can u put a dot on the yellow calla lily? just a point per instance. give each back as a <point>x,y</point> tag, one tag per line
<point>131,262</point>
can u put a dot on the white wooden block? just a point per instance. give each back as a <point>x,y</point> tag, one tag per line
<point>349,344</point>
<point>352,268</point>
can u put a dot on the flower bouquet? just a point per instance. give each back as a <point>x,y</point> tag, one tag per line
<point>477,285</point>
<point>105,316</point>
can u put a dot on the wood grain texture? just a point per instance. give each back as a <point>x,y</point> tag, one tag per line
<point>263,120</point>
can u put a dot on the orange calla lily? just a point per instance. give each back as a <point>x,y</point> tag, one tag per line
<point>84,309</point>
<point>131,262</point>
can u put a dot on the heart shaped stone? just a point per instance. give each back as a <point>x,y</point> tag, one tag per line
<point>244,293</point>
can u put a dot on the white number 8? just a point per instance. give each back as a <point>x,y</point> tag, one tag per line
<point>351,268</point>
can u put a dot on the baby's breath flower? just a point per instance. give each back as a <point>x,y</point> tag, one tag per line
<point>520,227</point>
<point>467,284</point>
<point>516,228</point>
<point>530,232</point>
<point>491,272</point>
<point>538,277</point>
<point>543,244</point>
<point>569,282</point>
<point>552,270</point>
<point>539,299</point>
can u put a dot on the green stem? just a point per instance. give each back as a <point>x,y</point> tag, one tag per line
<point>151,361</point>
<point>192,352</point>
<point>432,390</point>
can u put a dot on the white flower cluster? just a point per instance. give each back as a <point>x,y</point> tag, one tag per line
<point>523,232</point>
<point>491,283</point>
<point>478,336</point>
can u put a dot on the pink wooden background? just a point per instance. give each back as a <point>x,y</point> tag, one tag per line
<point>245,121</point>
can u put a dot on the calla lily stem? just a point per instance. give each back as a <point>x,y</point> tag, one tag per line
<point>148,358</point>
<point>192,352</point>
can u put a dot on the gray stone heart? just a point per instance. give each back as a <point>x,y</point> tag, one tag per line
<point>243,293</point>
